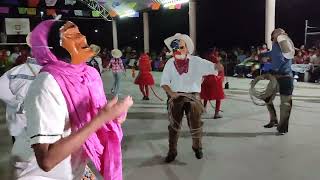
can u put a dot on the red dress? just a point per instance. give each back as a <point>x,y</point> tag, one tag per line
<point>144,77</point>
<point>212,86</point>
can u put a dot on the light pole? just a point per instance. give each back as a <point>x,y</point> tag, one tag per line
<point>270,20</point>
<point>193,22</point>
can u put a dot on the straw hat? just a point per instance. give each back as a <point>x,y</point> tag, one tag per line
<point>96,49</point>
<point>116,53</point>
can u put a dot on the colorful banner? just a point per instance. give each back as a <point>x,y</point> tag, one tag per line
<point>172,7</point>
<point>70,2</point>
<point>178,6</point>
<point>4,10</point>
<point>31,11</point>
<point>155,6</point>
<point>22,10</point>
<point>134,15</point>
<point>95,14</point>
<point>112,13</point>
<point>78,12</point>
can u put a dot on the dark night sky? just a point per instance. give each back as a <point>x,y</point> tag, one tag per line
<point>221,23</point>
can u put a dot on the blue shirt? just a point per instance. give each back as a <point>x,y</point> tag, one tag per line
<point>280,64</point>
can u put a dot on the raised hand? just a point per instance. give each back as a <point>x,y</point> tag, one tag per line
<point>114,109</point>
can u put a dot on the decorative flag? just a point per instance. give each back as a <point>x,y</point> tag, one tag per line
<point>132,5</point>
<point>172,7</point>
<point>33,3</point>
<point>178,6</point>
<point>113,13</point>
<point>31,11</point>
<point>116,3</point>
<point>51,2</point>
<point>136,14</point>
<point>95,14</point>
<point>78,13</point>
<point>102,1</point>
<point>22,10</point>
<point>155,6</point>
<point>4,10</point>
<point>51,12</point>
<point>70,2</point>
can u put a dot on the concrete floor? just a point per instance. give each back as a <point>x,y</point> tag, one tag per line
<point>236,147</point>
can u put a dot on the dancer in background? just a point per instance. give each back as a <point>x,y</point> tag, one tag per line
<point>14,85</point>
<point>117,69</point>
<point>212,86</point>
<point>144,78</point>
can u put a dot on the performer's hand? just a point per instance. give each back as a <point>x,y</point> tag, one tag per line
<point>114,109</point>
<point>219,67</point>
<point>122,118</point>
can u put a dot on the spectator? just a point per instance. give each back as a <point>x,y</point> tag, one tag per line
<point>13,57</point>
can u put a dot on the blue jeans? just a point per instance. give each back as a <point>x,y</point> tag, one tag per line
<point>116,83</point>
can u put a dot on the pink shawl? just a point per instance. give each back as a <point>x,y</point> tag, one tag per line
<point>82,88</point>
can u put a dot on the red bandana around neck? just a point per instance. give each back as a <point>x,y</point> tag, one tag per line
<point>182,65</point>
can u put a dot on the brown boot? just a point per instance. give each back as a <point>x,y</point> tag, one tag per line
<point>285,111</point>
<point>273,116</point>
<point>173,141</point>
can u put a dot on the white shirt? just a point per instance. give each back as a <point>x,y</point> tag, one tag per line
<point>14,85</point>
<point>315,59</point>
<point>47,122</point>
<point>187,82</point>
<point>13,57</point>
<point>99,61</point>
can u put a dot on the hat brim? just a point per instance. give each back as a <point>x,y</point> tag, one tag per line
<point>116,53</point>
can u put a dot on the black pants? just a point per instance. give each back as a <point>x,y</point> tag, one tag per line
<point>285,85</point>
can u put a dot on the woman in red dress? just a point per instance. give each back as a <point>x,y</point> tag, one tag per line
<point>144,79</point>
<point>212,86</point>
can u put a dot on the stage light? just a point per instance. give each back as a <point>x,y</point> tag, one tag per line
<point>128,13</point>
<point>96,30</point>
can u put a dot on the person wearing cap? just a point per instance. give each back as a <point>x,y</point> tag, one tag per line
<point>281,55</point>
<point>181,79</point>
<point>117,68</point>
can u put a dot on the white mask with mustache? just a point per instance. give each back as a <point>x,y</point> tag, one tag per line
<point>180,56</point>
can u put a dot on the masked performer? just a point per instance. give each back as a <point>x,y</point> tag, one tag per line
<point>212,86</point>
<point>68,118</point>
<point>144,78</point>
<point>281,54</point>
<point>181,80</point>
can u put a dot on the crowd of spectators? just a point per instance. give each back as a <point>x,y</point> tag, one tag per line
<point>242,63</point>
